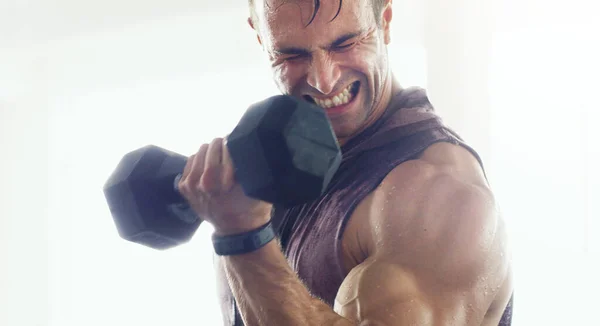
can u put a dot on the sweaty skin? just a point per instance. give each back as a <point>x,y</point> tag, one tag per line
<point>322,59</point>
<point>441,260</point>
<point>427,247</point>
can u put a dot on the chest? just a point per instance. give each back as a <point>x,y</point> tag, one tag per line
<point>323,240</point>
<point>310,241</point>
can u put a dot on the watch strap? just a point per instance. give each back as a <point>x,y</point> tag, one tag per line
<point>242,243</point>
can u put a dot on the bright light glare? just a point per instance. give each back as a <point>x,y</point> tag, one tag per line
<point>154,82</point>
<point>545,156</point>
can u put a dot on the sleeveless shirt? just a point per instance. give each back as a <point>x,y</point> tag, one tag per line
<point>310,234</point>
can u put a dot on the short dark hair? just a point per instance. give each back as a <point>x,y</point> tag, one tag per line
<point>377,6</point>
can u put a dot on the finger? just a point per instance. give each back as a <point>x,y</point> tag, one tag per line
<point>186,171</point>
<point>196,168</point>
<point>215,152</point>
<point>228,173</point>
<point>211,179</point>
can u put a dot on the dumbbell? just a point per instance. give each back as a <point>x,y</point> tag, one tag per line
<point>284,151</point>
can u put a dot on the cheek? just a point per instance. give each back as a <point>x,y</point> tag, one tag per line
<point>287,76</point>
<point>279,75</point>
<point>364,58</point>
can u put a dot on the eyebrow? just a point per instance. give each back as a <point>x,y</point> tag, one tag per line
<point>291,50</point>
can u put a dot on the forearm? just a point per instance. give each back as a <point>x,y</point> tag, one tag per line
<point>269,293</point>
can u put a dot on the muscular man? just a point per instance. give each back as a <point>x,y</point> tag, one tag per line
<point>408,232</point>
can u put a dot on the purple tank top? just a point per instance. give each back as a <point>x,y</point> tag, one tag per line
<point>311,233</point>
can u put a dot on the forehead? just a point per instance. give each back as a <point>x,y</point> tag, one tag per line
<point>284,22</point>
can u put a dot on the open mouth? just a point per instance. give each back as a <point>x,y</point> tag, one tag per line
<point>343,97</point>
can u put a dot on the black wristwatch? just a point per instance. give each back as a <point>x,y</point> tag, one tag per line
<point>243,243</point>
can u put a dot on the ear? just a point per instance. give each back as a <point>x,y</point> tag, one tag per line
<point>252,26</point>
<point>386,19</point>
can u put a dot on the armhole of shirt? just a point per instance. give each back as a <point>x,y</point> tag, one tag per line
<point>431,137</point>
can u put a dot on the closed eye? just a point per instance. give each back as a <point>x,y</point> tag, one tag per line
<point>295,57</point>
<point>344,47</point>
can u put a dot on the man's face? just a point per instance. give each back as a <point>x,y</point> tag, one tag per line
<point>340,65</point>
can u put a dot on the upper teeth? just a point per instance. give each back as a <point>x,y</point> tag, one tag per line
<point>343,97</point>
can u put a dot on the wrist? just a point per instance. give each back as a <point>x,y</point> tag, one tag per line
<point>243,243</point>
<point>241,225</point>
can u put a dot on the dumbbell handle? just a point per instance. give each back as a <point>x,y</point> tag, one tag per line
<point>176,184</point>
<point>180,207</point>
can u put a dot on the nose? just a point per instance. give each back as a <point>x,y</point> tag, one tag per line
<point>323,73</point>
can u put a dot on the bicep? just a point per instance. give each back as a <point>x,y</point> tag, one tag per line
<point>441,250</point>
<point>382,293</point>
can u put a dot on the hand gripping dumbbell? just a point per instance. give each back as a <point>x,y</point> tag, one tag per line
<point>284,152</point>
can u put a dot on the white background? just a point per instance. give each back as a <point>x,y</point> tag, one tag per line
<point>82,83</point>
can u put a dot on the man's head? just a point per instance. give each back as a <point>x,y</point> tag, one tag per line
<point>329,52</point>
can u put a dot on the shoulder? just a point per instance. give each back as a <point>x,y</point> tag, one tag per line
<point>439,209</point>
<point>443,172</point>
<point>437,245</point>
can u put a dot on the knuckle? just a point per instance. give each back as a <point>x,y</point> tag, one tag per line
<point>199,153</point>
<point>184,187</point>
<point>217,141</point>
<point>202,151</point>
<point>190,159</point>
<point>198,187</point>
